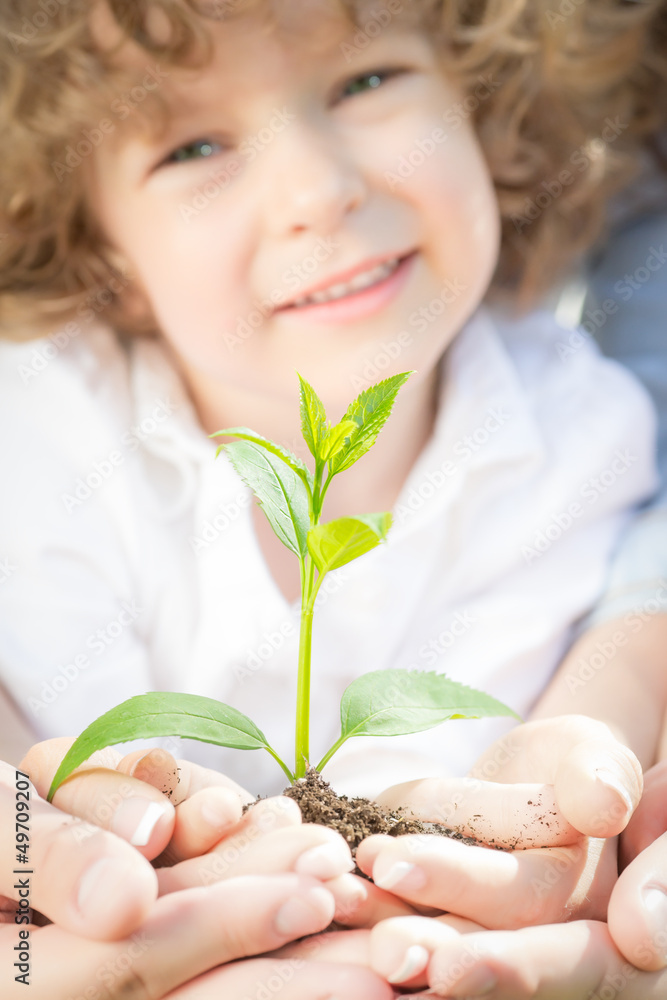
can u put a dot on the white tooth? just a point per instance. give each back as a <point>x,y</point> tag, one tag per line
<point>318,297</point>
<point>357,283</point>
<point>364,280</point>
<point>337,290</point>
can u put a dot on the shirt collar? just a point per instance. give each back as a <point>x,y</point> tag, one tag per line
<point>484,418</point>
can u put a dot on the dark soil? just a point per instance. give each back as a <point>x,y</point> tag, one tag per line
<point>356,819</point>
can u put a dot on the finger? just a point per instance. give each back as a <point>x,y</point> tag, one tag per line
<point>201,822</point>
<point>517,815</point>
<point>43,760</point>
<point>638,908</point>
<point>598,785</point>
<point>649,821</point>
<point>85,879</point>
<point>307,849</point>
<point>265,817</point>
<point>494,888</point>
<point>157,769</point>
<point>401,949</point>
<point>302,981</point>
<point>360,903</point>
<point>184,936</point>
<point>597,779</point>
<point>95,792</point>
<point>575,960</point>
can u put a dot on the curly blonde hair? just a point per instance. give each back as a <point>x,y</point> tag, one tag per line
<point>560,70</point>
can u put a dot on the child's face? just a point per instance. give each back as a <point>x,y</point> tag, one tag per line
<point>285,166</point>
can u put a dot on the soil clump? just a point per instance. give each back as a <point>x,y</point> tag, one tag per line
<point>356,819</point>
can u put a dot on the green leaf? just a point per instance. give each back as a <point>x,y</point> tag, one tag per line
<point>369,411</point>
<point>336,438</point>
<point>339,542</point>
<point>281,493</point>
<point>302,470</point>
<point>398,702</point>
<point>313,418</point>
<point>163,713</point>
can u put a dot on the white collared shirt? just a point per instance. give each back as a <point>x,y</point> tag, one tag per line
<point>131,562</point>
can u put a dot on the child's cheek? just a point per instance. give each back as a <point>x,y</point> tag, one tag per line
<point>451,186</point>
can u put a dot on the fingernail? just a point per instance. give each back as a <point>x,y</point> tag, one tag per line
<point>479,982</point>
<point>655,905</point>
<point>325,861</point>
<point>305,914</point>
<point>136,819</point>
<point>100,882</point>
<point>416,959</point>
<point>151,761</point>
<point>349,892</point>
<point>410,877</point>
<point>611,780</point>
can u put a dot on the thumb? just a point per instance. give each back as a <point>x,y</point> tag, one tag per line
<point>638,908</point>
<point>598,785</point>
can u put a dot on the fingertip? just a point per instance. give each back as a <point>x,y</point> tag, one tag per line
<point>43,760</point>
<point>401,948</point>
<point>219,809</point>
<point>145,824</point>
<point>637,912</point>
<point>598,787</point>
<point>156,767</point>
<point>307,912</point>
<point>113,896</point>
<point>369,849</point>
<point>350,893</point>
<point>275,813</point>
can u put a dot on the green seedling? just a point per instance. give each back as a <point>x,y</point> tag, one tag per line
<point>379,703</point>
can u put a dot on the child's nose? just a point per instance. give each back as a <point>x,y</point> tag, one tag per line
<point>312,184</point>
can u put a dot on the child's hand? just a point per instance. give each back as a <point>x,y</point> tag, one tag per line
<point>205,837</point>
<point>179,810</point>
<point>576,780</point>
<point>110,933</point>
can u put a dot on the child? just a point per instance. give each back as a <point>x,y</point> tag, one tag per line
<point>197,204</point>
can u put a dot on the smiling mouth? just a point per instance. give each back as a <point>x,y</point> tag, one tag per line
<point>349,289</point>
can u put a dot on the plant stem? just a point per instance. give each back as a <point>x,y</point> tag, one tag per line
<point>309,591</point>
<point>290,776</point>
<point>329,754</point>
<point>302,736</point>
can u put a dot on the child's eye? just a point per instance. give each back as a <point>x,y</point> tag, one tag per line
<point>198,150</point>
<point>366,82</point>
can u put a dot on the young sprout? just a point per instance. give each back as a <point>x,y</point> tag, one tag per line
<point>379,703</point>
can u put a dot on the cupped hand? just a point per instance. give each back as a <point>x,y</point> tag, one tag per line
<point>549,792</point>
<point>626,959</point>
<point>162,806</point>
<point>576,960</point>
<point>638,905</point>
<point>332,966</point>
<point>111,935</point>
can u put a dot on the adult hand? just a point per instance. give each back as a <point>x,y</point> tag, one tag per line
<point>546,790</point>
<point>576,960</point>
<point>580,960</point>
<point>92,884</point>
<point>638,905</point>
